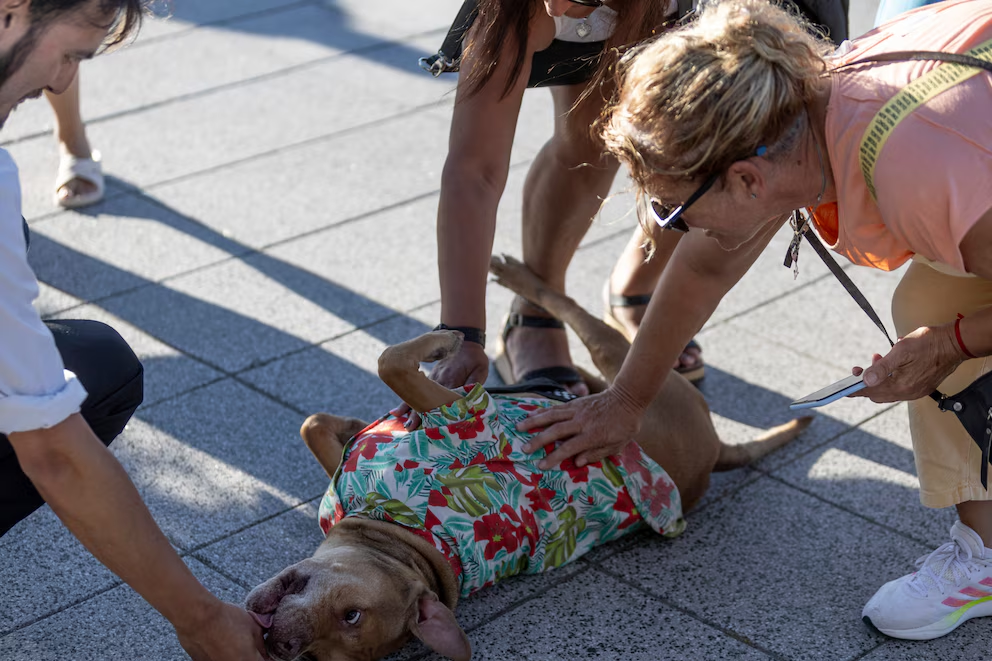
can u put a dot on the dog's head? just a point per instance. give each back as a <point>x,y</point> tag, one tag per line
<point>349,604</point>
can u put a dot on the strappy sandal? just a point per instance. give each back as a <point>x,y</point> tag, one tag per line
<point>563,374</point>
<point>693,373</point>
<point>71,168</point>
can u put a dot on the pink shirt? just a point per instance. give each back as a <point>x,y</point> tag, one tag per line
<point>934,175</point>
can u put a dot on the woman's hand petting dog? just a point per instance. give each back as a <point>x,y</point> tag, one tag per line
<point>589,428</point>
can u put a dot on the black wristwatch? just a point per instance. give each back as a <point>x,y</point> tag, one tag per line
<point>476,335</point>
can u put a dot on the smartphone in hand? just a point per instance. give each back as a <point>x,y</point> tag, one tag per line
<point>831,393</point>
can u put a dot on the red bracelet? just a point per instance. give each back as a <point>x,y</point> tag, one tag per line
<point>957,334</point>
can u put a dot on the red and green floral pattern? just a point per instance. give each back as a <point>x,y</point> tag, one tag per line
<point>463,482</point>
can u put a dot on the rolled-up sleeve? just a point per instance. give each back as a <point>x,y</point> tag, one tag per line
<point>36,391</point>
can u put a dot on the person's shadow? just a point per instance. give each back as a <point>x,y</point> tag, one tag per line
<point>220,338</point>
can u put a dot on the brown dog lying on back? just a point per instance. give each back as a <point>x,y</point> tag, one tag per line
<point>414,520</point>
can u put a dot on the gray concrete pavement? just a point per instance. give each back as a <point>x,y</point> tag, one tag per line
<point>273,175</point>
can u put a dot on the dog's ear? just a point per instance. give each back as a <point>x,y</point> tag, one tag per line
<point>325,436</point>
<point>434,624</point>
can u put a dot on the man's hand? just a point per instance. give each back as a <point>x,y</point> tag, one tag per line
<point>224,633</point>
<point>589,428</point>
<point>914,367</point>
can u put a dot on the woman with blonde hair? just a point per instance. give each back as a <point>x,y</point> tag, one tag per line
<point>732,122</point>
<point>572,47</point>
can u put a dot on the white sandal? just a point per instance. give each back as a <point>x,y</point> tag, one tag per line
<point>87,169</point>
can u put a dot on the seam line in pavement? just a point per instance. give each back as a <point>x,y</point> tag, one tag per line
<point>230,20</point>
<point>852,427</point>
<point>685,611</point>
<point>848,510</point>
<point>223,87</point>
<point>142,190</point>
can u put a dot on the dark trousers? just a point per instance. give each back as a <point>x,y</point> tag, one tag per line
<point>114,380</point>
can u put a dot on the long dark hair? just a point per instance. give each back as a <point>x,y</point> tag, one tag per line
<point>127,15</point>
<point>508,21</point>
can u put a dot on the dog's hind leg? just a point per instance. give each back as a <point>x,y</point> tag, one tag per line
<point>325,436</point>
<point>606,345</point>
<point>742,454</point>
<point>399,368</point>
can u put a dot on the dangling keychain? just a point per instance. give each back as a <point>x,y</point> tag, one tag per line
<point>792,254</point>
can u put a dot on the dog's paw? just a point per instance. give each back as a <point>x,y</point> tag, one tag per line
<point>513,274</point>
<point>444,344</point>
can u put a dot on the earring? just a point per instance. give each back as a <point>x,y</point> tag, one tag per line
<point>754,196</point>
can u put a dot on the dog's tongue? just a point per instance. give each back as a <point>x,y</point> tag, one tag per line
<point>264,619</point>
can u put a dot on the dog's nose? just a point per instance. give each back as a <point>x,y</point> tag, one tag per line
<point>288,649</point>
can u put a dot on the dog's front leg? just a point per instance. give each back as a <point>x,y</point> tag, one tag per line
<point>399,368</point>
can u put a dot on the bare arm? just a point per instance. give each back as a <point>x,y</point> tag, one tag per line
<point>694,282</point>
<point>699,274</point>
<point>472,183</point>
<point>90,492</point>
<point>921,360</point>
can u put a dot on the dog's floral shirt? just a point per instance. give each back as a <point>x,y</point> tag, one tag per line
<point>463,482</point>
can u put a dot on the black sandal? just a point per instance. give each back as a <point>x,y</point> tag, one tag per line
<point>692,373</point>
<point>563,374</point>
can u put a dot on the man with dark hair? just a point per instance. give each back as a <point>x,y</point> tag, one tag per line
<point>68,388</point>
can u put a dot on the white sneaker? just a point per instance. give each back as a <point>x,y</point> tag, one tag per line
<point>951,585</point>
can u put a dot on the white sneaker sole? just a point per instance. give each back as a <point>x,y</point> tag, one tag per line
<point>942,627</point>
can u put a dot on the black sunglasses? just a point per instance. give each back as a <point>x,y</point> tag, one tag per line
<point>669,218</point>
<point>588,3</point>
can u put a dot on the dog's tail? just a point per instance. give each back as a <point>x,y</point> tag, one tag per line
<point>738,456</point>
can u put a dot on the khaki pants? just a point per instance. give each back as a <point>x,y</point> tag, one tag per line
<point>947,459</point>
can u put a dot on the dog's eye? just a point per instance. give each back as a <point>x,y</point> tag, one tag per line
<point>352,616</point>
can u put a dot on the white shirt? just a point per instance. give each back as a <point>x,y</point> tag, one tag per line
<point>36,391</point>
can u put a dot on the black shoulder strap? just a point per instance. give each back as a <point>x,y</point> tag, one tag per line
<point>855,293</point>
<point>845,280</point>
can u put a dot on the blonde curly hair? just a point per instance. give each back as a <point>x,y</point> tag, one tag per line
<point>696,99</point>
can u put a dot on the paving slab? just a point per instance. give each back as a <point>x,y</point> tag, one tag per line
<point>203,132</point>
<point>168,372</point>
<point>624,623</point>
<point>217,459</point>
<point>339,376</point>
<point>44,570</point>
<point>827,323</point>
<point>119,625</point>
<point>396,20</point>
<point>260,551</point>
<point>870,470</point>
<point>134,78</point>
<point>82,254</point>
<point>319,184</point>
<point>770,566</point>
<point>970,642</point>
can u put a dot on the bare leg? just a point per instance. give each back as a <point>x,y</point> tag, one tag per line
<point>399,368</point>
<point>607,346</point>
<point>636,273</point>
<point>563,192</point>
<point>977,515</point>
<point>71,134</point>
